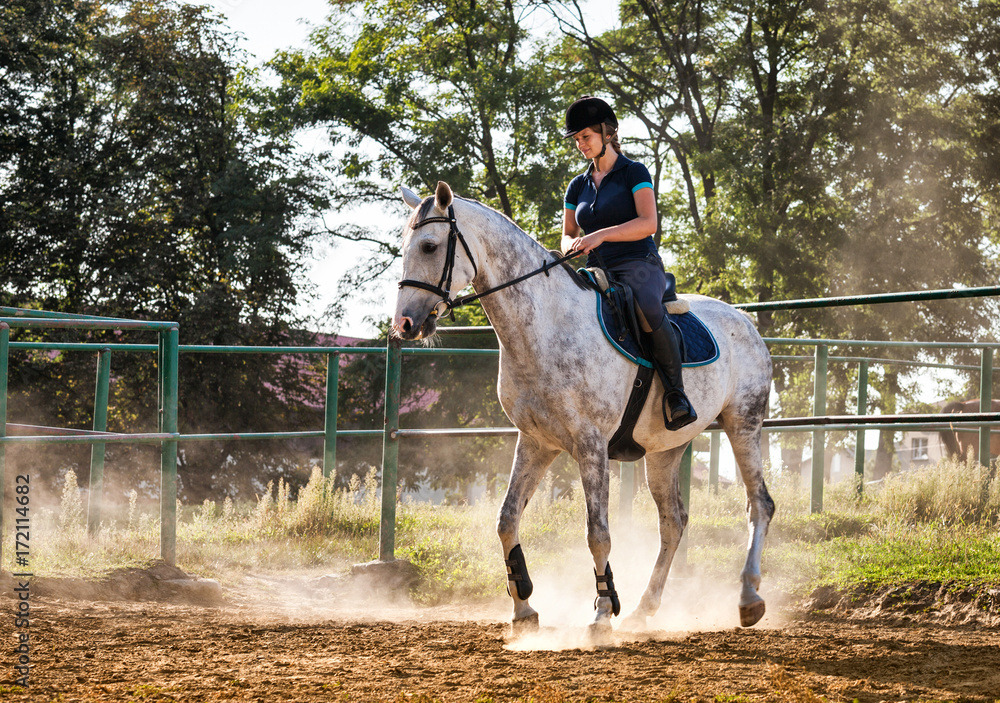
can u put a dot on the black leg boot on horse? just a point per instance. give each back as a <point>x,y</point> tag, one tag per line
<point>677,409</point>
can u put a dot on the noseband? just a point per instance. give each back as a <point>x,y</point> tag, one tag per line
<point>444,285</point>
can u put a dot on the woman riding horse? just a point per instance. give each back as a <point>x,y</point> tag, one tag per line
<point>613,207</point>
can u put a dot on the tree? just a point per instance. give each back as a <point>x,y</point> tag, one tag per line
<point>914,181</point>
<point>738,102</point>
<point>412,92</point>
<point>141,180</point>
<point>812,148</point>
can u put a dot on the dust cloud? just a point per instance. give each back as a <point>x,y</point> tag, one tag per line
<point>564,598</point>
<point>564,593</point>
<point>307,598</point>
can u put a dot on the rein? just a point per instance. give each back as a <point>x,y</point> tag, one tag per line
<point>444,285</point>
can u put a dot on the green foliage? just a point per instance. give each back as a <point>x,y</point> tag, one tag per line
<point>437,391</point>
<point>797,150</point>
<point>319,509</point>
<point>140,180</point>
<point>457,567</point>
<point>813,149</point>
<point>952,493</point>
<point>963,555</point>
<point>412,92</point>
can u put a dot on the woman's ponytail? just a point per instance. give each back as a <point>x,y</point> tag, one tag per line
<point>609,135</point>
<point>614,143</point>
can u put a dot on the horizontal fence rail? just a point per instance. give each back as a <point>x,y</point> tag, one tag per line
<point>809,422</point>
<point>168,436</point>
<point>872,299</point>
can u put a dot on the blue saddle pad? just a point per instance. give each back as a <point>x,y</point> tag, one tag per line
<point>698,347</point>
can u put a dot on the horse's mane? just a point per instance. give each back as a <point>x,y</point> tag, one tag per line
<point>955,406</point>
<point>495,214</point>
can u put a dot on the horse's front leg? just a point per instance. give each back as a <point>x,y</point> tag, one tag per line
<point>592,456</point>
<point>530,462</point>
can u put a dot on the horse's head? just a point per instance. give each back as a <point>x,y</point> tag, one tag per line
<point>436,264</point>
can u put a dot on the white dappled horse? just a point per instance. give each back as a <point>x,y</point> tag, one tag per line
<point>565,388</point>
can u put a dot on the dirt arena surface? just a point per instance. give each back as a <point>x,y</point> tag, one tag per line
<point>293,649</point>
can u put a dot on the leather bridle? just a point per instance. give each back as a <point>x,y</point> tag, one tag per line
<point>443,286</point>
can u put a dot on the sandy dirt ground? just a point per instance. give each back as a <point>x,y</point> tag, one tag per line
<point>299,648</point>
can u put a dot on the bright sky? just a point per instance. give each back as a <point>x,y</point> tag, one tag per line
<point>268,26</point>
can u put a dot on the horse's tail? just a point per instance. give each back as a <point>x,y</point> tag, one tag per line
<point>950,442</point>
<point>948,437</point>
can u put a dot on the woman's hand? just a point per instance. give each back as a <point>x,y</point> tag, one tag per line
<point>586,244</point>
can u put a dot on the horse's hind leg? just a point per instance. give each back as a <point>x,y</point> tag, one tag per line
<point>530,462</point>
<point>744,434</point>
<point>663,480</point>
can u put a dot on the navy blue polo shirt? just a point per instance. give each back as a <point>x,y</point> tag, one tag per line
<point>611,204</point>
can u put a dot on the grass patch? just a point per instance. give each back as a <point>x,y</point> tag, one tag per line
<point>966,555</point>
<point>938,525</point>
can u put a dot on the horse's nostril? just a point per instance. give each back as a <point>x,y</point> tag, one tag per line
<point>407,324</point>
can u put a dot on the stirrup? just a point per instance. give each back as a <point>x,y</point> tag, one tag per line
<point>675,423</point>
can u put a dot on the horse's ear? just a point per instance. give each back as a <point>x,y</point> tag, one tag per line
<point>409,197</point>
<point>443,196</point>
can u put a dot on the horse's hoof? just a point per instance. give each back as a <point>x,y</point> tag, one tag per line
<point>751,614</point>
<point>524,626</point>
<point>599,633</point>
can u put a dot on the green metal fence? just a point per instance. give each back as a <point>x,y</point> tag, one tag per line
<point>168,436</point>
<point>167,421</point>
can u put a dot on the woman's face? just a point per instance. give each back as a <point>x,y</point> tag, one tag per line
<point>588,142</point>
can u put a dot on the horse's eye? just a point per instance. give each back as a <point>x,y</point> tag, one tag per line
<point>428,247</point>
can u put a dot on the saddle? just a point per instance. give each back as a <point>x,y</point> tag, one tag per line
<point>625,326</point>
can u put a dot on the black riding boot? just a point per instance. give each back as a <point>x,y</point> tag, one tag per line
<point>667,359</point>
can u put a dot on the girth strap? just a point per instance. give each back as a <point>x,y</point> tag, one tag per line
<point>622,446</point>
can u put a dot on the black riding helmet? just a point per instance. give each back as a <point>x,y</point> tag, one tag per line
<point>587,112</point>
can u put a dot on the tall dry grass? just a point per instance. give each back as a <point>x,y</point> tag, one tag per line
<point>938,522</point>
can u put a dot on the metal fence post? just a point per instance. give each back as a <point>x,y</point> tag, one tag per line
<point>715,447</point>
<point>159,381</point>
<point>330,427</point>
<point>96,496</point>
<point>985,403</point>
<point>859,444</point>
<point>168,448</point>
<point>390,451</point>
<point>4,348</point>
<point>819,436</point>
<point>627,473</point>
